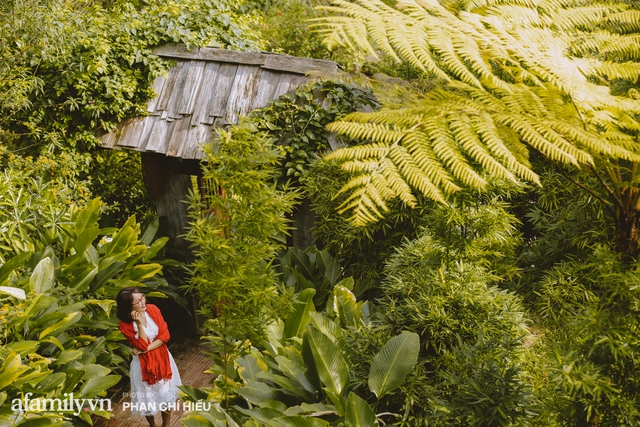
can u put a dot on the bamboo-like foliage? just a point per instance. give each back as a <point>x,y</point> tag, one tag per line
<point>517,74</point>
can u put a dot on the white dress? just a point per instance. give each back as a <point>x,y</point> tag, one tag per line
<point>149,399</point>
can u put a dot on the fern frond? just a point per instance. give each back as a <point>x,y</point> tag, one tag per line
<point>489,134</point>
<point>587,16</point>
<point>367,200</point>
<point>394,180</point>
<point>366,131</point>
<point>518,15</point>
<point>588,140</point>
<point>629,123</point>
<point>518,73</point>
<point>414,174</point>
<point>469,141</point>
<point>626,21</point>
<point>615,70</point>
<point>531,135</point>
<point>363,152</point>
<point>625,47</point>
<point>418,146</point>
<point>445,148</point>
<point>477,4</point>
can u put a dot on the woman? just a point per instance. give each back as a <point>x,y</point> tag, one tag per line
<point>154,375</point>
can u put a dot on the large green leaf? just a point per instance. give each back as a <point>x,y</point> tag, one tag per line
<point>392,364</point>
<point>329,266</point>
<point>327,326</point>
<point>93,370</point>
<point>359,413</point>
<point>297,421</point>
<point>61,325</point>
<point>302,262</point>
<point>250,367</point>
<point>194,420</point>
<point>154,248</point>
<point>193,394</point>
<point>95,385</point>
<point>346,307</point>
<point>42,276</point>
<point>15,262</point>
<point>124,238</point>
<point>299,318</point>
<point>87,217</point>
<point>14,292</point>
<point>86,238</point>
<point>11,369</point>
<point>296,372</point>
<point>291,386</point>
<point>256,392</point>
<point>23,347</point>
<point>263,415</point>
<point>142,271</point>
<point>150,232</point>
<point>329,363</point>
<point>50,382</point>
<point>85,279</point>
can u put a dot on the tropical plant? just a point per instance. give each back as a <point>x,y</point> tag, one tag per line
<point>310,269</point>
<point>561,223</point>
<point>297,123</point>
<point>37,196</point>
<point>58,332</point>
<point>362,250</point>
<point>560,78</point>
<point>303,377</point>
<point>286,30</point>
<point>116,177</point>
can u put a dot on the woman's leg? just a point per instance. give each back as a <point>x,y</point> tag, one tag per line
<point>166,419</point>
<point>151,420</point>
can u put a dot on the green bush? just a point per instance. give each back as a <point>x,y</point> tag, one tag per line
<point>593,342</point>
<point>471,360</point>
<point>237,229</point>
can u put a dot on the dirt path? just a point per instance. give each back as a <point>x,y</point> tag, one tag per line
<point>192,362</point>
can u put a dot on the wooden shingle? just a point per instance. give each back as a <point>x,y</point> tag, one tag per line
<point>206,89</point>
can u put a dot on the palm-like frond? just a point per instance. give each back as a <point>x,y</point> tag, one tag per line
<point>512,82</point>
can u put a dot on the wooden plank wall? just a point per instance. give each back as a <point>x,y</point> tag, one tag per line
<point>206,89</point>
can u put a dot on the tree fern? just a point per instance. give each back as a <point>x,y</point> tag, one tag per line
<point>517,73</point>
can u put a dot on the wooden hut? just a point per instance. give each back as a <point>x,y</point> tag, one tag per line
<point>206,89</point>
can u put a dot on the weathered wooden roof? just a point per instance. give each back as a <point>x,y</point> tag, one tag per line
<point>206,89</point>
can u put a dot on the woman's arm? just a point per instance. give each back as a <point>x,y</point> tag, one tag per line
<point>155,344</point>
<point>134,339</point>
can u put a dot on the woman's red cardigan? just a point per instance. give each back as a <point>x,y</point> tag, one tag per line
<point>154,364</point>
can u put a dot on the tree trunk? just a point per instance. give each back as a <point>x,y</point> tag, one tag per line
<point>627,223</point>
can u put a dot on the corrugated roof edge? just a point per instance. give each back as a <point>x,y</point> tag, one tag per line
<point>269,61</point>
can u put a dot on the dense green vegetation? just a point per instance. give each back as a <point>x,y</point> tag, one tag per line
<point>476,240</point>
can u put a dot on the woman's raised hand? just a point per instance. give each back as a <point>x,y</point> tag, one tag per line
<point>136,316</point>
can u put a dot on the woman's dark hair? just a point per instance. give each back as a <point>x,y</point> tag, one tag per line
<point>125,303</point>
